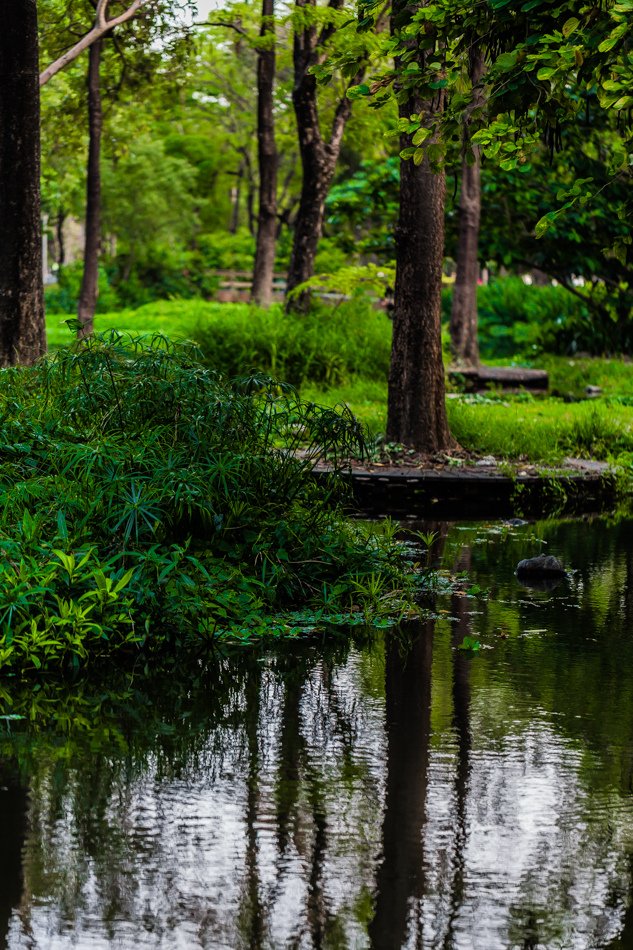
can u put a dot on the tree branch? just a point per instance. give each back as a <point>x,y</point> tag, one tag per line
<point>229,26</point>
<point>101,27</point>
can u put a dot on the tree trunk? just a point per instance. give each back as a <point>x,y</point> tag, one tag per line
<point>90,282</point>
<point>236,194</point>
<point>317,178</point>
<point>22,327</point>
<point>264,267</point>
<point>60,240</point>
<point>318,158</point>
<point>416,414</point>
<point>463,325</point>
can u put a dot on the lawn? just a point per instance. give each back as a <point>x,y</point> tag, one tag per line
<point>341,357</point>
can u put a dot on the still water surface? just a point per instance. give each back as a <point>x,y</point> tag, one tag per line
<point>394,792</point>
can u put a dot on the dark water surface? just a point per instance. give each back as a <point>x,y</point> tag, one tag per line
<point>395,792</point>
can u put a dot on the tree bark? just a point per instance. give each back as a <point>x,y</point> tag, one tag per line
<point>59,238</point>
<point>90,281</point>
<point>416,411</point>
<point>318,158</point>
<point>236,196</point>
<point>264,267</point>
<point>22,328</point>
<point>463,325</point>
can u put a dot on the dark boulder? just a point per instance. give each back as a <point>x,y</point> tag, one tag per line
<point>543,565</point>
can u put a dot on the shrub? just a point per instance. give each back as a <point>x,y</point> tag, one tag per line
<point>516,319</point>
<point>63,296</point>
<point>148,503</point>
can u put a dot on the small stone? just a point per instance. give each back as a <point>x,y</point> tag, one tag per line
<point>592,391</point>
<point>542,564</point>
<point>488,460</point>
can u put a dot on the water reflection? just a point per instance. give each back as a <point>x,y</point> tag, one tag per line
<point>392,792</point>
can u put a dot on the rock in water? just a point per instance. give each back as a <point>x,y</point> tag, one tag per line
<point>544,565</point>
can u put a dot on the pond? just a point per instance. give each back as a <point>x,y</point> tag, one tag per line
<point>395,791</point>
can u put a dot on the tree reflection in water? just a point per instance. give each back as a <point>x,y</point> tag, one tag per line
<point>390,792</point>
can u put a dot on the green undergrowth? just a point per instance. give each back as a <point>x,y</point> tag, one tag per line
<point>327,345</point>
<point>148,504</point>
<point>330,346</point>
<point>509,427</point>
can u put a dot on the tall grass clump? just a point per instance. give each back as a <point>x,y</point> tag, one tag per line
<point>328,345</point>
<point>148,503</point>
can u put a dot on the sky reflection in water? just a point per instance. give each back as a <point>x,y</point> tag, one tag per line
<point>397,792</point>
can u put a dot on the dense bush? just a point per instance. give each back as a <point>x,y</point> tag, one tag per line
<point>145,503</point>
<point>516,319</point>
<point>328,345</point>
<point>63,296</point>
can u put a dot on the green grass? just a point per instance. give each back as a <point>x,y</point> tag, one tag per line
<point>539,429</point>
<point>328,345</point>
<point>341,356</point>
<point>175,319</point>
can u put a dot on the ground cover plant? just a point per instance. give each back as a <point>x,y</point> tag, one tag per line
<point>148,503</point>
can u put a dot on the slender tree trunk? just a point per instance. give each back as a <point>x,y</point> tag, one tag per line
<point>264,267</point>
<point>59,235</point>
<point>463,325</point>
<point>22,328</point>
<point>318,158</point>
<point>236,194</point>
<point>250,192</point>
<point>317,178</point>
<point>90,282</point>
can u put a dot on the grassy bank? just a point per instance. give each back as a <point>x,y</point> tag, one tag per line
<point>341,355</point>
<point>537,429</point>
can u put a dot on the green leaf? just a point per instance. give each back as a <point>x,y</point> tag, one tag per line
<point>418,156</point>
<point>357,92</point>
<point>613,38</point>
<point>420,136</point>
<point>544,224</point>
<point>470,643</point>
<point>506,61</point>
<point>570,25</point>
<point>546,72</point>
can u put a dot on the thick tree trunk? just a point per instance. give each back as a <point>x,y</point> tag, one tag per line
<point>416,413</point>
<point>416,404</point>
<point>463,325</point>
<point>22,328</point>
<point>90,281</point>
<point>264,267</point>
